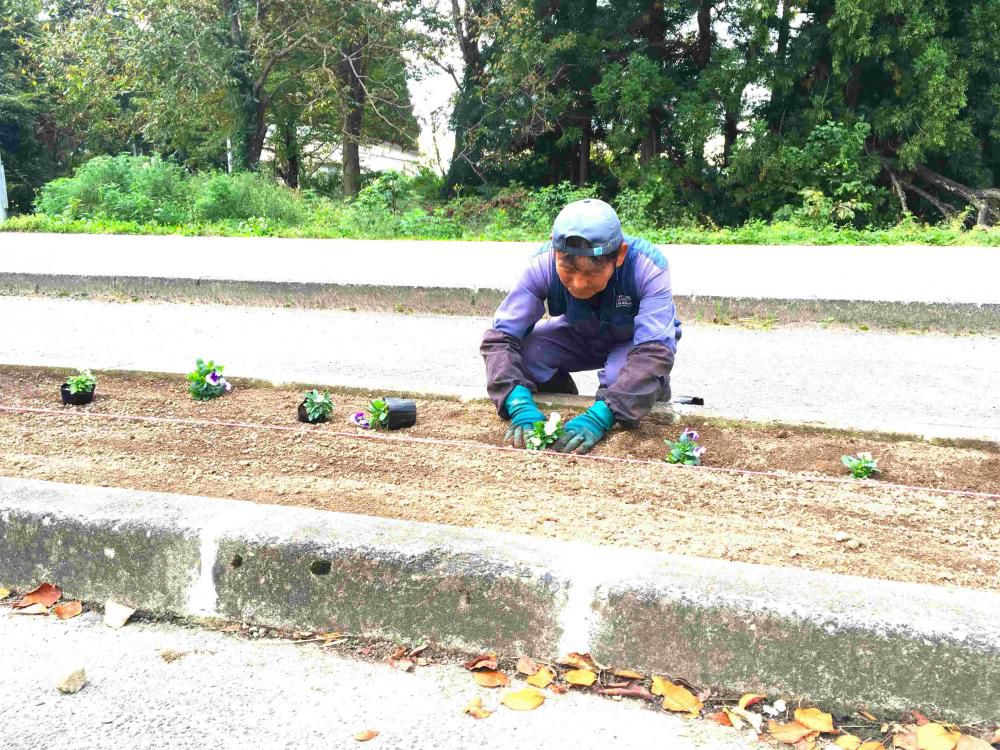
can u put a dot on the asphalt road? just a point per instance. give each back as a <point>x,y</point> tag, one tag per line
<point>228,693</point>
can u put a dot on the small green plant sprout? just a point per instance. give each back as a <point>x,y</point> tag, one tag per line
<point>685,450</point>
<point>318,405</point>
<point>544,434</point>
<point>83,381</point>
<point>862,465</point>
<point>377,416</point>
<point>206,382</point>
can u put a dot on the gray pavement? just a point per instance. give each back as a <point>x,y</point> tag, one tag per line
<point>882,273</point>
<point>944,386</point>
<point>228,693</point>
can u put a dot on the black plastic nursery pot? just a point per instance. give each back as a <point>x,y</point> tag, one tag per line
<point>75,399</point>
<point>304,415</point>
<point>402,412</point>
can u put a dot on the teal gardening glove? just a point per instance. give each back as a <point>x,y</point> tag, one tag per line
<point>520,405</point>
<point>585,431</point>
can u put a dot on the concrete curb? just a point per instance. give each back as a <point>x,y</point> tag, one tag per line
<point>747,311</point>
<point>840,641</point>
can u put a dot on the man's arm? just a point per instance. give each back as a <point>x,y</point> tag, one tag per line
<point>645,376</point>
<point>516,316</point>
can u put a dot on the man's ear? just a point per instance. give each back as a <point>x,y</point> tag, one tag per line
<point>622,252</point>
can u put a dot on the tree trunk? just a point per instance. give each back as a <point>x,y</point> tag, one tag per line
<point>291,168</point>
<point>852,91</point>
<point>351,70</point>
<point>731,130</point>
<point>703,51</point>
<point>585,153</point>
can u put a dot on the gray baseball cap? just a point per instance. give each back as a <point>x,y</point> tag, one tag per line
<point>592,220</point>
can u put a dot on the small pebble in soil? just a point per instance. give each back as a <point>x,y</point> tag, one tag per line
<point>72,682</point>
<point>841,536</point>
<point>783,433</point>
<point>854,544</point>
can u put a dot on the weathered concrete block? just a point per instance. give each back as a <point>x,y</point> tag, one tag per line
<point>461,588</point>
<point>96,544</point>
<point>840,641</point>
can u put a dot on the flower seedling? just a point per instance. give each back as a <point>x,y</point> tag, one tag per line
<point>361,420</point>
<point>378,414</point>
<point>318,405</point>
<point>206,382</point>
<point>82,382</point>
<point>862,465</point>
<point>686,450</point>
<point>544,434</point>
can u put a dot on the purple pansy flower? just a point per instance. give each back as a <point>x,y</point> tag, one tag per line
<point>360,420</point>
<point>690,435</point>
<point>213,378</point>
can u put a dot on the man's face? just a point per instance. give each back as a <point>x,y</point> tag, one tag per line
<point>583,277</point>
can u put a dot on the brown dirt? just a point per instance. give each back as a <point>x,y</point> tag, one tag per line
<point>924,535</point>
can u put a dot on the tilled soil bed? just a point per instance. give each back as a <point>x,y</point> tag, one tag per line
<point>926,533</point>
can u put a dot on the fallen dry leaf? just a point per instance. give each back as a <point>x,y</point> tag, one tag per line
<point>848,742</point>
<point>866,715</point>
<point>919,719</point>
<point>755,720</point>
<point>814,719</point>
<point>579,661</point>
<point>628,674</point>
<point>751,699</point>
<point>116,615</point>
<point>676,698</point>
<point>483,661</point>
<point>34,609</point>
<point>528,666</point>
<point>636,691</point>
<point>807,743</point>
<point>580,677</point>
<point>46,595</point>
<point>542,678</point>
<point>169,655</point>
<point>967,742</point>
<point>996,738</point>
<point>73,682</point>
<point>475,709</point>
<point>791,732</point>
<point>526,699</point>
<point>66,610</point>
<point>418,650</point>
<point>721,717</point>
<point>907,739</point>
<point>937,737</point>
<point>403,665</point>
<point>490,678</point>
<point>558,689</point>
<point>4,593</point>
<point>872,745</point>
<point>368,734</point>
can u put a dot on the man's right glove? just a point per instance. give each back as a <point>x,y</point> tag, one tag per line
<point>520,405</point>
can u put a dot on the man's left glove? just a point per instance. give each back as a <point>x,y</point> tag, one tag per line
<point>585,431</point>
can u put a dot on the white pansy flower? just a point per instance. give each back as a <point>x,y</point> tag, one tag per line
<point>552,424</point>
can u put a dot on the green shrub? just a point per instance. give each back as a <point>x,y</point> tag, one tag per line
<point>244,196</point>
<point>127,188</point>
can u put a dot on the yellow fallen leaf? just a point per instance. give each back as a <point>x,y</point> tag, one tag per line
<point>527,665</point>
<point>368,734</point>
<point>996,738</point>
<point>491,678</point>
<point>751,699</point>
<point>526,699</point>
<point>542,678</point>
<point>4,593</point>
<point>937,737</point>
<point>66,610</point>
<point>580,677</point>
<point>848,742</point>
<point>628,674</point>
<point>972,743</point>
<point>872,745</point>
<point>475,709</point>
<point>816,720</point>
<point>808,742</point>
<point>906,739</point>
<point>579,661</point>
<point>791,732</point>
<point>676,698</point>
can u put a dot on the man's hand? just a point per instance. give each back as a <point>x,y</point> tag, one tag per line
<point>585,431</point>
<point>523,413</point>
